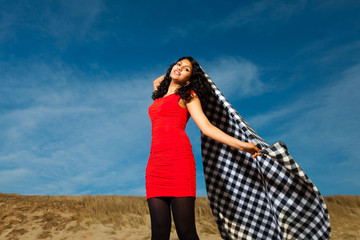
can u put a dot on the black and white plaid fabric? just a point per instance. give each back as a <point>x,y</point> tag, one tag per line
<point>266,198</point>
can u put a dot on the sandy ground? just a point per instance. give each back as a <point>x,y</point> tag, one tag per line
<point>83,231</point>
<point>86,231</point>
<point>86,217</point>
<point>119,217</point>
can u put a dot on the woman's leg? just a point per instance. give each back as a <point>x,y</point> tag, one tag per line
<point>183,209</point>
<point>160,218</point>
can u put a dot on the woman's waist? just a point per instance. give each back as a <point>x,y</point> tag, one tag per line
<point>181,158</point>
<point>167,132</point>
<point>170,142</point>
<point>168,127</point>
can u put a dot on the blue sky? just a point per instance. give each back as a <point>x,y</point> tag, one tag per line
<point>76,82</point>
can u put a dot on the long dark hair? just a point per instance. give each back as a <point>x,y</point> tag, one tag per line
<point>198,84</point>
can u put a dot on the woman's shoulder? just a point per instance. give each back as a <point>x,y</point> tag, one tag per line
<point>192,96</point>
<point>193,92</point>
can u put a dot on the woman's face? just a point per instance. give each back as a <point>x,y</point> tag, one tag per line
<point>181,71</point>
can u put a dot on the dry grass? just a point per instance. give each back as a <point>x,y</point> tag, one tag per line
<point>344,216</point>
<point>126,217</point>
<point>50,216</point>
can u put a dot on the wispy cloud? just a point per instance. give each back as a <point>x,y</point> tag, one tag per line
<point>235,76</point>
<point>348,52</point>
<point>61,20</point>
<point>254,14</point>
<point>321,123</point>
<point>326,51</point>
<point>261,12</point>
<point>324,110</point>
<point>72,19</point>
<point>7,21</point>
<point>73,133</point>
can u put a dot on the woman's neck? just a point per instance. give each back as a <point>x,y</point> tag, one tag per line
<point>172,88</point>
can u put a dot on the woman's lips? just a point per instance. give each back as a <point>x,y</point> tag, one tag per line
<point>177,72</point>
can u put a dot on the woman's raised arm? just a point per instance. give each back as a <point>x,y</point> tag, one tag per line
<point>158,81</point>
<point>209,130</point>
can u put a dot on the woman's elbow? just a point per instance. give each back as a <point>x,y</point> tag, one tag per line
<point>155,82</point>
<point>206,131</point>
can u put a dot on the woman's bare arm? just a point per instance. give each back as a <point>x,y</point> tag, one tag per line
<point>157,81</point>
<point>196,112</point>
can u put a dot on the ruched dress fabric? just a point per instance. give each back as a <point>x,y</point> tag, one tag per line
<point>170,171</point>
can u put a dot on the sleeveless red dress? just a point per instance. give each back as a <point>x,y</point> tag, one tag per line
<point>170,171</point>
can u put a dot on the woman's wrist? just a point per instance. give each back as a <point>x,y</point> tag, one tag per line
<point>242,145</point>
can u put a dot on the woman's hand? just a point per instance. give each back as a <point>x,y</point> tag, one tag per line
<point>251,148</point>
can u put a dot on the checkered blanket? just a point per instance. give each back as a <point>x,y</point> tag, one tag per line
<point>266,198</point>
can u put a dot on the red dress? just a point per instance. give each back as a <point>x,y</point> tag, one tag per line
<point>170,171</point>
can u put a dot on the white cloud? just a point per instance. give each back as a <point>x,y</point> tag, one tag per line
<point>331,110</point>
<point>73,134</point>
<point>322,128</point>
<point>235,76</point>
<point>12,176</point>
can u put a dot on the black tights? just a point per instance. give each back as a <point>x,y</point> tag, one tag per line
<point>183,214</point>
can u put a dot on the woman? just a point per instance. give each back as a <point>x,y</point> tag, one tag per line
<point>170,173</point>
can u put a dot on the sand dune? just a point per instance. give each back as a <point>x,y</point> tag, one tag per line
<point>126,217</point>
